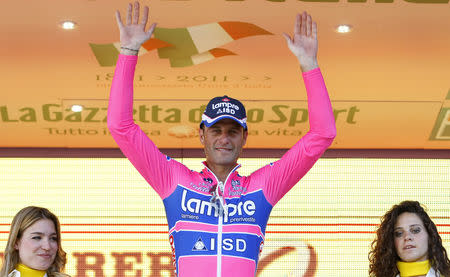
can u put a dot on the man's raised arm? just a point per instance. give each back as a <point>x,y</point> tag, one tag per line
<point>300,158</point>
<point>132,36</point>
<point>304,45</point>
<point>133,142</point>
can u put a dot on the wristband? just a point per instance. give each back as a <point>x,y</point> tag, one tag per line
<point>129,49</point>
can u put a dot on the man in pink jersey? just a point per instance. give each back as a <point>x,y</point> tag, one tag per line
<point>216,217</point>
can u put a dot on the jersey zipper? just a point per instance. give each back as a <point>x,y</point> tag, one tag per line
<point>220,225</point>
<point>219,243</point>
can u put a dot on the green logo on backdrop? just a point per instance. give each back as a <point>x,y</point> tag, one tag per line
<point>441,129</point>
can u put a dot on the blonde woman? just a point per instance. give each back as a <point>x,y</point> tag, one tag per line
<point>34,245</point>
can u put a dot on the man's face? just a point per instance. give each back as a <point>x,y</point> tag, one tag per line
<point>223,142</point>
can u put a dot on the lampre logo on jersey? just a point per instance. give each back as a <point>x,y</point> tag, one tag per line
<point>198,206</point>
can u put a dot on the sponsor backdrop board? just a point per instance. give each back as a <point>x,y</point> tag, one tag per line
<point>114,224</point>
<point>388,77</point>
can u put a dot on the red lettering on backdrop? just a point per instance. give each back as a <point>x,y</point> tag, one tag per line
<point>312,266</point>
<point>162,262</point>
<point>122,266</point>
<point>158,266</point>
<point>267,260</point>
<point>272,257</point>
<point>82,266</point>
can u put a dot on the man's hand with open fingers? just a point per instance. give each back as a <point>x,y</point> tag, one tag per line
<point>303,43</point>
<point>133,34</point>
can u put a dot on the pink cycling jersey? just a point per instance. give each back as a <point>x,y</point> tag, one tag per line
<point>209,238</point>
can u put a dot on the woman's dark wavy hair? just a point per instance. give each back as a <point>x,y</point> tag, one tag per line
<point>383,256</point>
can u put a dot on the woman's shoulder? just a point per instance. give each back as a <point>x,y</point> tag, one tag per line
<point>434,273</point>
<point>14,273</point>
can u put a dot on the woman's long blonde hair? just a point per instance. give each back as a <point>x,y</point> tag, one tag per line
<point>22,221</point>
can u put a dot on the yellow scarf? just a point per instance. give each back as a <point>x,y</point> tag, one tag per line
<point>414,268</point>
<point>25,271</point>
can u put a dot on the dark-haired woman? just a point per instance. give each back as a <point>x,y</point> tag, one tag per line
<point>408,244</point>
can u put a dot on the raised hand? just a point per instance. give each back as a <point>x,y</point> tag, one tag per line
<point>133,34</point>
<point>303,43</point>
